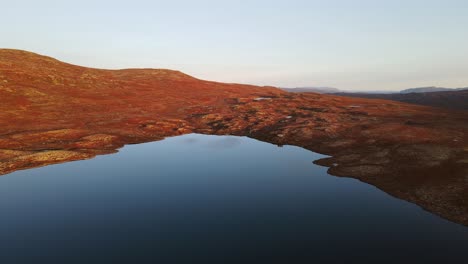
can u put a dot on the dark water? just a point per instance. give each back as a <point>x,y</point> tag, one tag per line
<point>208,199</point>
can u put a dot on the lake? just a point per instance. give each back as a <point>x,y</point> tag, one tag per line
<point>214,199</point>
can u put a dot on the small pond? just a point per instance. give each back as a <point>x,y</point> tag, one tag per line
<point>215,199</point>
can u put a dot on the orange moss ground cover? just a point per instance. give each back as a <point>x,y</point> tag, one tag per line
<point>53,112</point>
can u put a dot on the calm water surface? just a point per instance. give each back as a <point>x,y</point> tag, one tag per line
<point>214,199</point>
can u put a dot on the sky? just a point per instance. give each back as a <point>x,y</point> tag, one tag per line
<point>348,44</point>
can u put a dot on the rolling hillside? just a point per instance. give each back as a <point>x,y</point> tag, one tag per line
<point>52,112</point>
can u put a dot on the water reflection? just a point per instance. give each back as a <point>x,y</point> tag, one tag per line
<point>216,199</point>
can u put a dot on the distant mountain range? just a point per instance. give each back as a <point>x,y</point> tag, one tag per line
<point>331,90</point>
<point>451,98</point>
<point>431,89</point>
<point>320,90</point>
<point>456,99</point>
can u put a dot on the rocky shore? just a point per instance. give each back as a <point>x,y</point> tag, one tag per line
<point>53,112</point>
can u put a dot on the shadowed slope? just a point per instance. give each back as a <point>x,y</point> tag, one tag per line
<point>54,112</point>
<point>457,100</point>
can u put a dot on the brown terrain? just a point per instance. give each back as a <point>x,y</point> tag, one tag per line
<point>52,112</point>
<point>457,100</point>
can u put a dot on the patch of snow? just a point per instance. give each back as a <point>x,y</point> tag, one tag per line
<point>261,98</point>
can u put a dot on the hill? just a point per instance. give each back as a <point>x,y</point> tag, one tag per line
<point>431,89</point>
<point>52,112</point>
<point>321,90</point>
<point>457,100</point>
<point>376,93</point>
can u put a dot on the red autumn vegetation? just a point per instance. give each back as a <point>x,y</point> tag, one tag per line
<point>53,112</point>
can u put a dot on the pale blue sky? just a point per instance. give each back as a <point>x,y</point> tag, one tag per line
<point>355,44</point>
